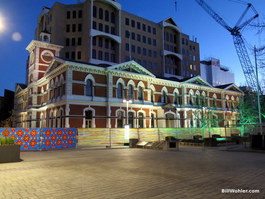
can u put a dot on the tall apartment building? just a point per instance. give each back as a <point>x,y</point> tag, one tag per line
<point>99,32</point>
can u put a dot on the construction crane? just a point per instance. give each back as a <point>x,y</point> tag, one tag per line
<point>248,69</point>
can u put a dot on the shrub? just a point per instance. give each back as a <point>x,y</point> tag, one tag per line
<point>9,140</point>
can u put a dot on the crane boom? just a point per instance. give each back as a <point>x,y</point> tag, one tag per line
<point>241,50</point>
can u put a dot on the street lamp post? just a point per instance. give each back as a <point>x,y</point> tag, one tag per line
<point>127,127</point>
<point>127,110</point>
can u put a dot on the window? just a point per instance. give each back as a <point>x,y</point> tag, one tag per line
<point>139,50</point>
<point>94,41</point>
<point>112,45</point>
<point>133,48</point>
<point>78,55</point>
<point>154,31</point>
<point>106,15</point>
<point>150,53</point>
<point>73,41</point>
<point>127,47</point>
<point>106,28</point>
<point>127,34</point>
<point>94,54</point>
<point>112,57</point>
<point>106,43</point>
<point>120,91</point>
<point>131,119</point>
<point>100,13</point>
<point>73,55</point>
<point>138,37</point>
<point>133,23</point>
<point>67,55</point>
<point>149,29</point>
<point>79,41</point>
<point>154,42</point>
<point>127,21</point>
<point>152,120</point>
<point>95,11</point>
<point>141,120</point>
<point>176,99</point>
<point>88,119</point>
<point>68,14</point>
<point>89,88</point>
<point>140,93</point>
<point>133,36</point>
<point>152,96</point>
<point>113,18</point>
<point>100,55</point>
<point>138,25</point>
<point>144,51</point>
<point>143,27</point>
<point>73,27</point>
<point>120,119</point>
<point>100,42</point>
<point>144,39</point>
<point>94,25</point>
<point>149,41</point>
<point>100,27</point>
<point>80,27</point>
<point>130,92</point>
<point>74,14</point>
<point>80,14</point>
<point>106,56</point>
<point>164,97</point>
<point>112,30</point>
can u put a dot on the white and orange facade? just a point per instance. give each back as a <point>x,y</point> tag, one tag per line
<point>62,93</point>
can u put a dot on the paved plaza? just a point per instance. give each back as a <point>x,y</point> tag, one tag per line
<point>190,173</point>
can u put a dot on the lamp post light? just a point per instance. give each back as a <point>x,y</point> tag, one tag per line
<point>127,110</point>
<point>127,127</point>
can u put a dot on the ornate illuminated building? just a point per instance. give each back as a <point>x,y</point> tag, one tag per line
<point>80,72</point>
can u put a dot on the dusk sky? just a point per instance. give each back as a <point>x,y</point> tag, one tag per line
<point>18,20</point>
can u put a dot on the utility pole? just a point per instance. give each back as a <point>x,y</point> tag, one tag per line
<point>258,95</point>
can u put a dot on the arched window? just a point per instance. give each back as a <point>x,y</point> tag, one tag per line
<point>130,92</point>
<point>89,88</point>
<point>176,99</point>
<point>152,120</point>
<point>169,120</point>
<point>95,11</point>
<point>140,120</point>
<point>113,17</point>
<point>140,93</point>
<point>120,91</point>
<point>131,119</point>
<point>106,15</point>
<point>164,97</point>
<point>152,96</point>
<point>100,13</point>
<point>214,101</point>
<point>120,119</point>
<point>198,100</point>
<point>88,119</point>
<point>61,124</point>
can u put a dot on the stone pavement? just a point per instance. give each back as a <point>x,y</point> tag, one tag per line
<point>190,173</point>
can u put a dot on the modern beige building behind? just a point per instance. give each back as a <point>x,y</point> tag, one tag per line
<point>99,32</point>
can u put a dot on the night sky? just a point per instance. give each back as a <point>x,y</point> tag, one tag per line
<point>18,20</point>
